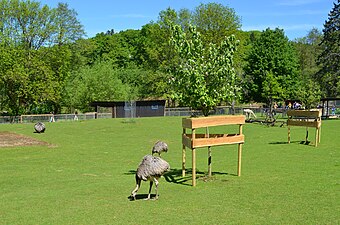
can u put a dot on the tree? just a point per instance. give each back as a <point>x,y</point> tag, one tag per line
<point>13,79</point>
<point>272,90</point>
<point>99,82</point>
<point>215,22</point>
<point>32,26</point>
<point>308,92</point>
<point>329,59</point>
<point>183,17</point>
<point>117,48</point>
<point>308,49</point>
<point>308,89</point>
<point>271,55</point>
<point>150,51</point>
<point>35,40</point>
<point>205,75</point>
<point>67,28</point>
<point>25,24</point>
<point>25,84</point>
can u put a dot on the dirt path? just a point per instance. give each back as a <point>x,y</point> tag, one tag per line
<point>9,139</point>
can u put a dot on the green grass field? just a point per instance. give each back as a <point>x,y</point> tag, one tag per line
<point>86,174</point>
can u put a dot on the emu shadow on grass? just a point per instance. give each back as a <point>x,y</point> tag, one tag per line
<point>175,176</point>
<point>286,142</point>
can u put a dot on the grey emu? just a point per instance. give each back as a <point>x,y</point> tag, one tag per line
<point>151,168</point>
<point>39,127</point>
<point>159,147</point>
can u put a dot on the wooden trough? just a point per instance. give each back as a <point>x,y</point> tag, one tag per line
<point>305,118</point>
<point>194,140</point>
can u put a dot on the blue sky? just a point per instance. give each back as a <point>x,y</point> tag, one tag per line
<point>296,17</point>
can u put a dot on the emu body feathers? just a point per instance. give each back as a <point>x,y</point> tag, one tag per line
<point>159,147</point>
<point>151,168</point>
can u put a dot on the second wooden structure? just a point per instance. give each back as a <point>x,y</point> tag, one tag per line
<point>305,118</point>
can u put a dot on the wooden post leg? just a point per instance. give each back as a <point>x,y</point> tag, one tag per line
<point>207,135</point>
<point>193,167</point>
<point>316,137</point>
<point>288,135</point>
<point>306,135</point>
<point>209,161</point>
<point>239,159</point>
<point>183,152</point>
<point>319,134</point>
<point>183,160</point>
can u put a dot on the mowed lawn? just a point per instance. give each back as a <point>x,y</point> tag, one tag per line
<point>86,173</point>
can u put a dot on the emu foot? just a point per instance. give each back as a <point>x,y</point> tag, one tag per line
<point>151,198</point>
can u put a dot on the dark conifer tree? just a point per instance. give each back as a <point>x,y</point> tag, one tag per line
<point>329,59</point>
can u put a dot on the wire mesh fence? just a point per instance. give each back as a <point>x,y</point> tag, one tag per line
<point>55,117</point>
<point>184,111</point>
<point>221,110</point>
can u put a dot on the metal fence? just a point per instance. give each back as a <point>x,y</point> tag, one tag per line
<point>185,111</point>
<point>221,110</point>
<point>55,117</point>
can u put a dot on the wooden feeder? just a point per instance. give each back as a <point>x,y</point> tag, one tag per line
<point>194,140</point>
<point>305,118</point>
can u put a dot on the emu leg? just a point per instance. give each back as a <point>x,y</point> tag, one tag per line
<point>133,193</point>
<point>151,183</point>
<point>156,184</point>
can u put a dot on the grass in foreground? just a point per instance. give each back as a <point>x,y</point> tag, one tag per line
<point>86,174</point>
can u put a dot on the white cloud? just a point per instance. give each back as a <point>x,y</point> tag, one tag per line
<point>284,27</point>
<point>297,2</point>
<point>287,13</point>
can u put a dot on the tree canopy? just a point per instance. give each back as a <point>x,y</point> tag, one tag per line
<point>329,59</point>
<point>205,75</point>
<point>272,68</point>
<point>47,64</point>
<point>34,60</point>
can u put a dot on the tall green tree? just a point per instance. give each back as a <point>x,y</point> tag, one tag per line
<point>271,88</point>
<point>215,22</point>
<point>25,84</point>
<point>272,64</point>
<point>32,26</point>
<point>117,48</point>
<point>13,79</point>
<point>205,75</point>
<point>308,49</point>
<point>329,59</point>
<point>66,26</point>
<point>99,82</point>
<point>25,23</point>
<point>37,37</point>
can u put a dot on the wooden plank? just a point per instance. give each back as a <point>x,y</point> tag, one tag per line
<point>292,122</point>
<point>186,140</point>
<point>215,139</point>
<point>305,113</point>
<point>224,140</point>
<point>212,121</point>
<point>186,123</point>
<point>210,135</point>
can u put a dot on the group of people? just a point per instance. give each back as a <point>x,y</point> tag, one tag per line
<point>296,105</point>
